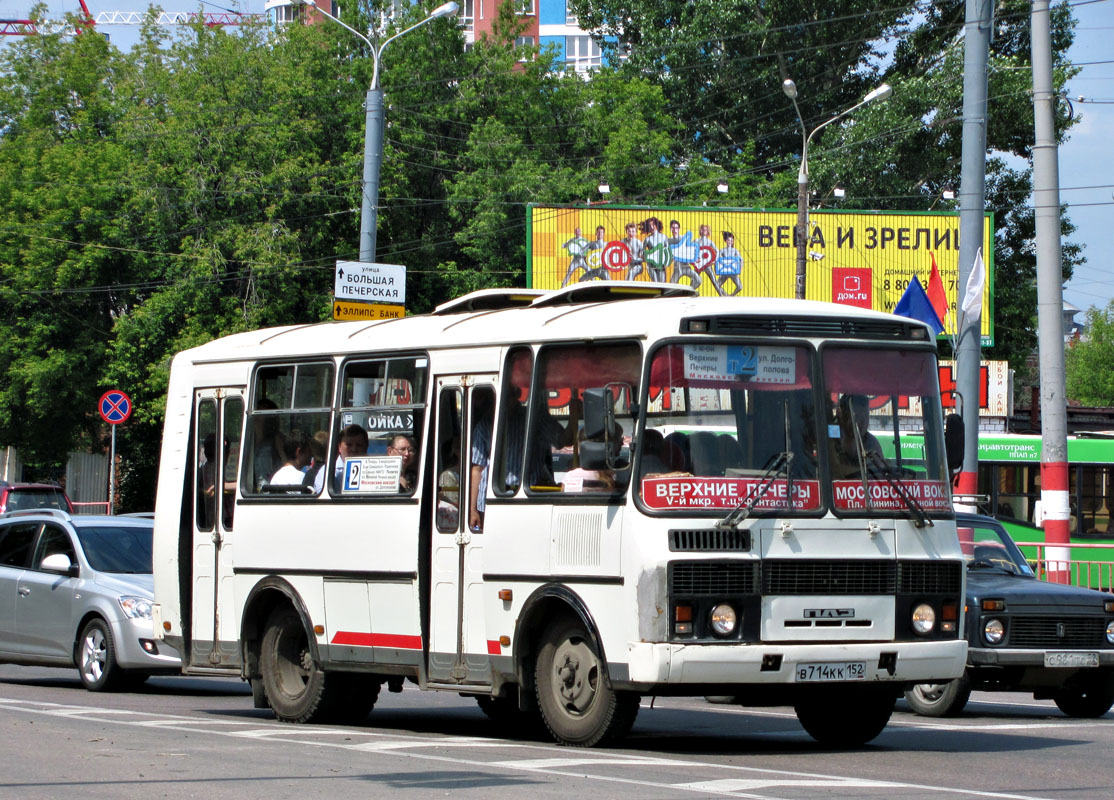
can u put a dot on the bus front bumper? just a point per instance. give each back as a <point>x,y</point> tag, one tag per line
<point>654,664</point>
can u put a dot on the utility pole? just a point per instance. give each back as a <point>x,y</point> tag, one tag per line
<point>1050,303</point>
<point>972,205</point>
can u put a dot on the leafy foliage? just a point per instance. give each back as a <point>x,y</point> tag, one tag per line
<point>1090,361</point>
<point>206,183</point>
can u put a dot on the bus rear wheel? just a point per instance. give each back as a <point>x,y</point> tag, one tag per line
<point>577,702</point>
<point>845,716</point>
<point>939,699</point>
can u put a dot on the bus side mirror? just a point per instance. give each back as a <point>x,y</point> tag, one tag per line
<point>599,413</point>
<point>953,441</point>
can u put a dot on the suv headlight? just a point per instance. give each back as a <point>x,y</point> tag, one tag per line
<point>1110,632</point>
<point>136,607</point>
<point>994,631</point>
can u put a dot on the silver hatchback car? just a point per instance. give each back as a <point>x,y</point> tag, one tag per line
<point>77,591</point>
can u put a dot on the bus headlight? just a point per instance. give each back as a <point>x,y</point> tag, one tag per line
<point>1110,632</point>
<point>723,620</point>
<point>994,631</point>
<point>924,619</point>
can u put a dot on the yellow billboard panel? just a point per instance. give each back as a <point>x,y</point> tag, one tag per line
<point>348,311</point>
<point>858,258</point>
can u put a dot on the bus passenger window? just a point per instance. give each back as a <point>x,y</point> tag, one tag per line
<point>385,399</point>
<point>291,403</point>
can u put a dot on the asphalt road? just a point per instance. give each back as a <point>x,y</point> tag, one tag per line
<point>187,737</point>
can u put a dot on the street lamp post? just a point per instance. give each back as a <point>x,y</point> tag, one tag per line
<point>790,89</point>
<point>373,128</point>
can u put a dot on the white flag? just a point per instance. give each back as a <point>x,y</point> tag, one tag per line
<point>972,297</point>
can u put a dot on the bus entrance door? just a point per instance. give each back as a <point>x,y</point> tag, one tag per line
<point>458,652</point>
<point>219,416</point>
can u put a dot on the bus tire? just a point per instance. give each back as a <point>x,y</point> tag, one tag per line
<point>845,716</point>
<point>939,699</point>
<point>295,686</point>
<point>1086,699</point>
<point>577,703</point>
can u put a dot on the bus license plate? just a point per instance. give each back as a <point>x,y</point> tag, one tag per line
<point>1059,659</point>
<point>831,671</point>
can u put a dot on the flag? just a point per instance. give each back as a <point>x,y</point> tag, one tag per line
<point>935,291</point>
<point>916,305</point>
<point>972,295</point>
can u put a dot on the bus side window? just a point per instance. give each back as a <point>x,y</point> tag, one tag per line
<point>511,439</point>
<point>290,403</point>
<point>385,399</point>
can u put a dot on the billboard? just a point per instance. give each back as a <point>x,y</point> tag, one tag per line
<point>859,258</point>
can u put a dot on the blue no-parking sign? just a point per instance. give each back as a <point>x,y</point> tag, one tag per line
<point>115,406</point>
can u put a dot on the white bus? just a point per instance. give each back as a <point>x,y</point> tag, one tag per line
<point>560,502</point>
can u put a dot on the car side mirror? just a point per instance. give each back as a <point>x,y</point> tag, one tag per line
<point>953,441</point>
<point>60,563</point>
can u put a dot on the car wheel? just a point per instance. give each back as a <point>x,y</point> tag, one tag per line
<point>939,699</point>
<point>96,657</point>
<point>845,716</point>
<point>577,703</point>
<point>1088,699</point>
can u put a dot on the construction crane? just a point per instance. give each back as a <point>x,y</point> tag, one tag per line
<point>26,27</point>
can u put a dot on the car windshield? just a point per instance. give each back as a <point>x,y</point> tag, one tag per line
<point>988,547</point>
<point>111,548</point>
<point>19,499</point>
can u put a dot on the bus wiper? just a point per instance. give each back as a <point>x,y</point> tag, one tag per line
<point>782,462</point>
<point>883,468</point>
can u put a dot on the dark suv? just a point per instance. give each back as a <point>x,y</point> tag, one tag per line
<point>21,496</point>
<point>1024,634</point>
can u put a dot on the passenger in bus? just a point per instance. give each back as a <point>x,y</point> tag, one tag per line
<point>448,485</point>
<point>403,445</point>
<point>207,481</point>
<point>319,446</point>
<point>353,442</point>
<point>268,443</point>
<point>855,447</point>
<point>292,472</point>
<point>479,459</point>
<point>652,461</point>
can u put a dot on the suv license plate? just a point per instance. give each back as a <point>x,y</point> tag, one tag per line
<point>1059,659</point>
<point>831,671</point>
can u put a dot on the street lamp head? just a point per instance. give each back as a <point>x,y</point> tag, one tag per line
<point>881,93</point>
<point>789,88</point>
<point>444,10</point>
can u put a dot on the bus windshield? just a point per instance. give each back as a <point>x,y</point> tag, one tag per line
<point>892,390</point>
<point>732,425</point>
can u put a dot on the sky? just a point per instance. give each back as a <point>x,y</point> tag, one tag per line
<point>1085,163</point>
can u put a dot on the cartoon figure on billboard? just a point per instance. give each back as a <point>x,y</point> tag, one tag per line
<point>706,254</point>
<point>597,271</point>
<point>729,265</point>
<point>634,247</point>
<point>578,248</point>
<point>686,254</point>
<point>655,249</point>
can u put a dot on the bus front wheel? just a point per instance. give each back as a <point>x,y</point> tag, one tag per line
<point>845,716</point>
<point>577,702</point>
<point>297,689</point>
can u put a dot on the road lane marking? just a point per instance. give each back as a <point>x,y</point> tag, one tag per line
<point>763,777</point>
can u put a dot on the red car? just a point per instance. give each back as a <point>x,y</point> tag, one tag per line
<point>18,496</point>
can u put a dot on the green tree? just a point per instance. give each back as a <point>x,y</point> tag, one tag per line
<point>1090,361</point>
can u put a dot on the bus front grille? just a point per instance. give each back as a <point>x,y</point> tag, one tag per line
<point>930,577</point>
<point>708,540</point>
<point>694,578</point>
<point>802,576</point>
<point>1056,632</point>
